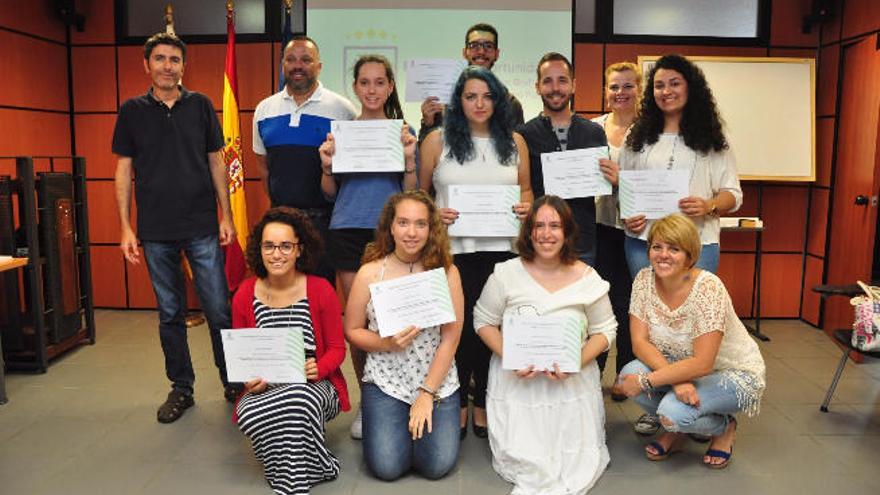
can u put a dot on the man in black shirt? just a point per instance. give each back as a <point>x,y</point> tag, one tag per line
<point>557,128</point>
<point>480,48</point>
<point>171,141</point>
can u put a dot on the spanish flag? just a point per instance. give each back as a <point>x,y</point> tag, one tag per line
<point>236,268</point>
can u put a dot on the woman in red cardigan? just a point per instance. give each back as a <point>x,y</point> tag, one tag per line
<point>285,423</point>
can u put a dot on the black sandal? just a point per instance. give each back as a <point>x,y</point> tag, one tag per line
<point>174,406</point>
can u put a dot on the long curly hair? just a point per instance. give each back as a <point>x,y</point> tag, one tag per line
<point>392,104</point>
<point>568,254</point>
<point>436,252</point>
<point>310,244</point>
<point>457,130</point>
<point>701,126</point>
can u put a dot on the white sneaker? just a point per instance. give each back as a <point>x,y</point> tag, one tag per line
<point>357,426</point>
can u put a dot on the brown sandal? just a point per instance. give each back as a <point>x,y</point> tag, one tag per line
<point>174,406</point>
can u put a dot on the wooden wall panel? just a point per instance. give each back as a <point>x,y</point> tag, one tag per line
<point>94,79</point>
<point>34,133</point>
<point>749,207</point>
<point>784,212</point>
<point>34,17</point>
<point>257,201</point>
<point>794,52</point>
<point>99,26</point>
<point>781,285</point>
<point>254,73</point>
<point>133,80</point>
<point>737,241</point>
<point>831,28</point>
<point>816,231</point>
<point>783,31</point>
<point>204,71</point>
<point>140,291</point>
<point>103,216</point>
<point>35,75</point>
<point>829,59</point>
<point>108,276</point>
<point>860,17</point>
<point>588,73</point>
<point>811,300</point>
<point>824,150</point>
<point>94,132</point>
<point>737,271</point>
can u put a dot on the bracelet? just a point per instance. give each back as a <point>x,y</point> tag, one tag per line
<point>644,383</point>
<point>429,391</point>
<point>325,173</point>
<point>409,170</point>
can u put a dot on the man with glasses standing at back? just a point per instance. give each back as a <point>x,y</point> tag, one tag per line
<point>480,48</point>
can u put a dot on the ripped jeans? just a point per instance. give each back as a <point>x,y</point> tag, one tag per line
<point>717,400</point>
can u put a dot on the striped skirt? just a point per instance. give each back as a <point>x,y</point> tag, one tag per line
<point>286,427</point>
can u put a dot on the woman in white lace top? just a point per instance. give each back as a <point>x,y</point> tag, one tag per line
<point>696,365</point>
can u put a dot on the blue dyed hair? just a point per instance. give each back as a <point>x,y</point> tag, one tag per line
<point>457,131</point>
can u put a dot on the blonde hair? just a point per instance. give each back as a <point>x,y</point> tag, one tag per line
<point>623,67</point>
<point>678,230</point>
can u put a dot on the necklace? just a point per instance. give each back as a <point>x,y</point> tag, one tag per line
<point>267,289</point>
<point>671,161</point>
<point>410,263</point>
<point>483,148</point>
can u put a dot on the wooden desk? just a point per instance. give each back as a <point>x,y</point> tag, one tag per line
<point>7,264</point>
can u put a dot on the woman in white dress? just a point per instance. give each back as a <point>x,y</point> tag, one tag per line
<point>547,427</point>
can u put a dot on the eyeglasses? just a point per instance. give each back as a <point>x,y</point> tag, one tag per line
<point>285,247</point>
<point>485,45</point>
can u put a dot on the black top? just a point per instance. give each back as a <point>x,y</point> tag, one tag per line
<point>542,138</point>
<point>169,151</point>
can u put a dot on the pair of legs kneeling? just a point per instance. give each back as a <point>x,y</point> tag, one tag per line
<point>389,448</point>
<point>713,417</point>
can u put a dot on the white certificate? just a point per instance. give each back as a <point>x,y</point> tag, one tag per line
<point>367,146</point>
<point>421,299</point>
<point>276,355</point>
<point>484,211</point>
<point>653,193</point>
<point>541,341</point>
<point>575,173</point>
<point>432,77</point>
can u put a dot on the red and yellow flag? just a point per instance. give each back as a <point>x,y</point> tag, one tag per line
<point>235,264</point>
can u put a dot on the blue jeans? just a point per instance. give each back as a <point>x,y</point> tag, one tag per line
<point>637,256</point>
<point>389,449</point>
<point>207,260</point>
<point>717,401</point>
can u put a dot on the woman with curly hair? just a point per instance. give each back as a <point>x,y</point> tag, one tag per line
<point>679,128</point>
<point>285,423</point>
<point>409,394</point>
<point>476,146</point>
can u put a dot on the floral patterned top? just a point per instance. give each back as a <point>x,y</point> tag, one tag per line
<point>399,374</point>
<point>707,308</point>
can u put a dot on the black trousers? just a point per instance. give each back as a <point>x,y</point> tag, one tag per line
<point>611,265</point>
<point>472,355</point>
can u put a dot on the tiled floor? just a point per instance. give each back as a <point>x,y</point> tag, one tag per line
<point>88,427</point>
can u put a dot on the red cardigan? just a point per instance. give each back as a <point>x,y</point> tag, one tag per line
<point>326,320</point>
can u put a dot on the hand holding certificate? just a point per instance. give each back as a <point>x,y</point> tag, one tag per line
<point>542,342</point>
<point>432,77</point>
<point>276,355</point>
<point>575,173</point>
<point>367,146</point>
<point>421,300</point>
<point>653,193</point>
<point>484,211</point>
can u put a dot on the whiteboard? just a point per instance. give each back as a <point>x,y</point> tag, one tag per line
<point>768,108</point>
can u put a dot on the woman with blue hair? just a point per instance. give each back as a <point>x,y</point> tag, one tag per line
<point>476,146</point>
